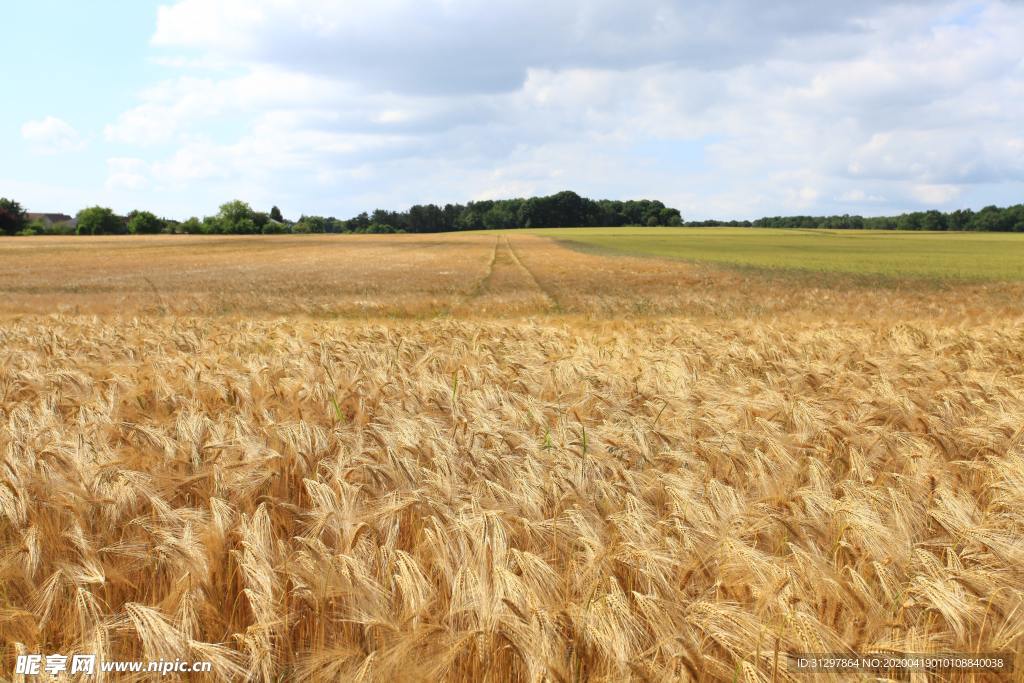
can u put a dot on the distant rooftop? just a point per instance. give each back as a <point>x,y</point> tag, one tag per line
<point>49,217</point>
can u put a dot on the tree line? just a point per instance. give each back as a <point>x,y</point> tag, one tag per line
<point>988,219</point>
<point>564,209</point>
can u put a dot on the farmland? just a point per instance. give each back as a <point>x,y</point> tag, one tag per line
<point>496,456</point>
<point>506,274</point>
<point>934,255</point>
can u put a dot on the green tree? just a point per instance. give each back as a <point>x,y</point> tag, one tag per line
<point>359,223</point>
<point>426,218</point>
<point>311,224</point>
<point>274,228</point>
<point>910,221</point>
<point>192,226</point>
<point>13,218</point>
<point>236,218</point>
<point>144,223</point>
<point>960,219</point>
<point>100,220</point>
<point>1015,217</point>
<point>933,220</point>
<point>381,228</point>
<point>472,217</point>
<point>261,220</point>
<point>275,215</point>
<point>670,217</point>
<point>501,215</point>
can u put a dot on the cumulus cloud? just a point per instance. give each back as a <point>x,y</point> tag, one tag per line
<point>458,46</point>
<point>800,106</point>
<point>51,135</point>
<point>936,194</point>
<point>171,105</point>
<point>858,196</point>
<point>127,174</point>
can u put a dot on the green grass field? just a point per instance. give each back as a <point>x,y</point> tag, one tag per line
<point>933,255</point>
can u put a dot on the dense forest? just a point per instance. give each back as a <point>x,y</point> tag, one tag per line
<point>564,209</point>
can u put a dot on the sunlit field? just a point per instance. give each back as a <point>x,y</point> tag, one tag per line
<point>492,274</point>
<point>495,456</point>
<point>935,255</point>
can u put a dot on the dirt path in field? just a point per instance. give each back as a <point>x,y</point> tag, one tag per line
<point>507,287</point>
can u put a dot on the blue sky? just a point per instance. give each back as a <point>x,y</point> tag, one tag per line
<point>730,108</point>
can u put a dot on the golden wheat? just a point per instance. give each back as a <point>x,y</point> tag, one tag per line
<point>459,275</point>
<point>508,500</point>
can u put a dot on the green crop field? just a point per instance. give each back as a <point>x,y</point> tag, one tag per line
<point>936,255</point>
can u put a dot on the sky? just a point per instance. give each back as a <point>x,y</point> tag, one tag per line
<point>721,108</point>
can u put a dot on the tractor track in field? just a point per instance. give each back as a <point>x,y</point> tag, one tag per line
<point>482,285</point>
<point>507,285</point>
<point>553,303</point>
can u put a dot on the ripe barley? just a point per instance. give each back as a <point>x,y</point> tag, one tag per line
<point>649,500</point>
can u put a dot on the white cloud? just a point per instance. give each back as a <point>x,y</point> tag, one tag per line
<point>858,196</point>
<point>196,161</point>
<point>170,106</point>
<point>936,194</point>
<point>460,46</point>
<point>127,174</point>
<point>51,135</point>
<point>848,106</point>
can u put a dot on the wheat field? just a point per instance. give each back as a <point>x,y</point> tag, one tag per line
<point>491,458</point>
